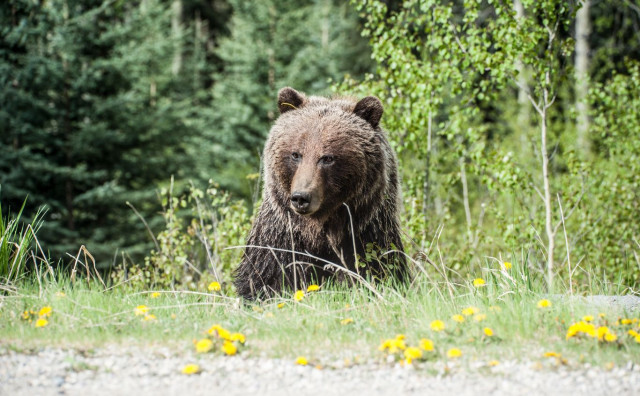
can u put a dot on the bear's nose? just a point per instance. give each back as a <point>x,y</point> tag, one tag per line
<point>300,200</point>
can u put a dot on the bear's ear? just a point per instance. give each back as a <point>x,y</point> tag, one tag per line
<point>370,110</point>
<point>290,99</point>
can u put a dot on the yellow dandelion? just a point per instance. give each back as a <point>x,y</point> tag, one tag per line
<point>469,311</point>
<point>301,361</point>
<point>626,321</point>
<point>237,337</point>
<point>214,286</point>
<point>437,325</point>
<point>412,353</point>
<point>454,353</point>
<point>45,312</point>
<point>191,369</point>
<point>281,305</point>
<point>479,317</point>
<point>204,345</point>
<point>637,339</point>
<point>155,294</point>
<point>229,348</point>
<point>493,363</point>
<point>544,303</point>
<point>217,330</point>
<point>299,295</point>
<point>601,332</point>
<point>488,332</point>
<point>41,322</point>
<point>581,328</point>
<point>610,337</point>
<point>507,265</point>
<point>587,318</point>
<point>478,282</point>
<point>552,354</point>
<point>150,317</point>
<point>601,315</point>
<point>633,333</point>
<point>458,318</point>
<point>346,321</point>
<point>426,344</point>
<point>25,315</point>
<point>141,310</point>
<point>313,288</point>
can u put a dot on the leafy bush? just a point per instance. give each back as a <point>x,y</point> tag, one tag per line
<point>198,244</point>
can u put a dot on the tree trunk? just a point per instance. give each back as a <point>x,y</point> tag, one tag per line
<point>176,21</point>
<point>583,28</point>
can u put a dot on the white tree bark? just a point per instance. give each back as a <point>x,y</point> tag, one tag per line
<point>583,28</point>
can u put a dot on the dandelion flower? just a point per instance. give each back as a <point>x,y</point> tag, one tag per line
<point>204,345</point>
<point>426,344</point>
<point>551,354</point>
<point>220,332</point>
<point>214,286</point>
<point>610,337</point>
<point>454,353</point>
<point>437,325</point>
<point>507,265</point>
<point>313,288</point>
<point>633,333</point>
<point>229,349</point>
<point>299,295</point>
<point>281,305</point>
<point>393,345</point>
<point>155,295</point>
<point>479,317</point>
<point>191,369</point>
<point>141,310</point>
<point>346,321</point>
<point>478,282</point>
<point>458,318</point>
<point>493,363</point>
<point>45,311</point>
<point>581,327</point>
<point>302,361</point>
<point>41,322</point>
<point>626,321</point>
<point>488,332</point>
<point>237,337</point>
<point>469,311</point>
<point>544,303</point>
<point>25,315</point>
<point>587,318</point>
<point>412,353</point>
<point>150,317</point>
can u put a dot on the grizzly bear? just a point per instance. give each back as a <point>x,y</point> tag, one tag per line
<point>330,187</point>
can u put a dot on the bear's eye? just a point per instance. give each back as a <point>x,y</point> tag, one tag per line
<point>327,160</point>
<point>296,156</point>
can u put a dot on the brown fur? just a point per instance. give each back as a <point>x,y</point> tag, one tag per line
<point>329,153</point>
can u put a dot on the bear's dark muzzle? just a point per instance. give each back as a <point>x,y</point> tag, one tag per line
<point>300,201</point>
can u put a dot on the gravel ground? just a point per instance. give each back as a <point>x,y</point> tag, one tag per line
<point>116,371</point>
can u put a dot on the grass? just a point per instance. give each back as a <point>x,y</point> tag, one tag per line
<point>87,316</point>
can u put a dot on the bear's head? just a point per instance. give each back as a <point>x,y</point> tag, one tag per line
<point>323,152</point>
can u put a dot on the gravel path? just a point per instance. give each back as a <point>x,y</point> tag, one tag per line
<point>125,371</point>
<point>116,371</point>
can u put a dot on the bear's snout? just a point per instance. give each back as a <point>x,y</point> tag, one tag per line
<point>301,201</point>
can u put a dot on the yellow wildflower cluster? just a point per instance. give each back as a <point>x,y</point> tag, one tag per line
<point>398,348</point>
<point>301,294</point>
<point>219,338</point>
<point>587,328</point>
<point>143,310</point>
<point>40,316</point>
<point>214,286</point>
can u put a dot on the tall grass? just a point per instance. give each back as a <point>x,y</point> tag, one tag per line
<point>16,242</point>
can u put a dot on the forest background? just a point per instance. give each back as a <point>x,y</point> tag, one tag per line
<point>134,129</point>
